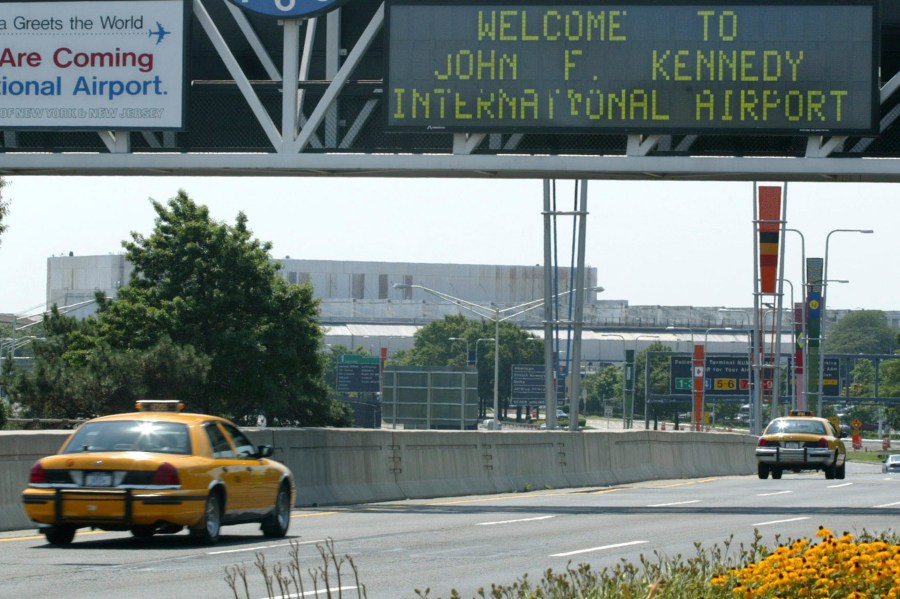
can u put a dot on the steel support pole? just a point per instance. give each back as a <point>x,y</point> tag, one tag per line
<point>579,312</point>
<point>549,373</point>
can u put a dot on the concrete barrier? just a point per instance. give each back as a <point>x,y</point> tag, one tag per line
<point>19,450</point>
<point>350,466</point>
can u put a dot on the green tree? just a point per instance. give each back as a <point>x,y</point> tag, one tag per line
<point>205,317</point>
<point>603,388</point>
<point>861,332</point>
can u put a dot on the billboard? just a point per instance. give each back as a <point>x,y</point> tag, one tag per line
<point>794,67</point>
<point>92,65</point>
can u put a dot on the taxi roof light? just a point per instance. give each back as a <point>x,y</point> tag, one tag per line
<point>800,413</point>
<point>159,405</point>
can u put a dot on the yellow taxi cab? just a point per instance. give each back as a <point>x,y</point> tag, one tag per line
<point>800,441</point>
<point>158,470</point>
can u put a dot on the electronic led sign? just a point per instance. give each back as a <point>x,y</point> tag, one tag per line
<point>653,67</point>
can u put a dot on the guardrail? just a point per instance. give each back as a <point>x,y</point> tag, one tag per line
<point>350,466</point>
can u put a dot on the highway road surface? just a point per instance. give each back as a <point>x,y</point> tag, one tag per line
<point>460,542</point>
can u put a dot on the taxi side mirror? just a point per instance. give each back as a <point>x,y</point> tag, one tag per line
<point>265,451</point>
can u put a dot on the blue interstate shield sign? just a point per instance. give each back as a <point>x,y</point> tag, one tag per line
<point>289,8</point>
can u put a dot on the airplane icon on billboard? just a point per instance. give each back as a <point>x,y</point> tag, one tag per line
<point>160,32</point>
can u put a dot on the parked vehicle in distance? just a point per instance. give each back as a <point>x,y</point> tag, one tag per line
<point>800,441</point>
<point>158,470</point>
<point>891,463</point>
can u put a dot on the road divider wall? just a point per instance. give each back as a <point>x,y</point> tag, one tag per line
<point>350,466</point>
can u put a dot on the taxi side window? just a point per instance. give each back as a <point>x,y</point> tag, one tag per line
<point>245,449</point>
<point>220,446</point>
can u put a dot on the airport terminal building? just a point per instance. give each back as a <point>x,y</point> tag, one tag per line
<point>361,307</point>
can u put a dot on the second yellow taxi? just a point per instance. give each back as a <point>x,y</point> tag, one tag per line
<point>800,441</point>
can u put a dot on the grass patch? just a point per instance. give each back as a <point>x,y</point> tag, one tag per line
<point>869,457</point>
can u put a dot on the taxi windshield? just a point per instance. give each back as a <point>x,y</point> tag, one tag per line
<point>131,435</point>
<point>796,427</point>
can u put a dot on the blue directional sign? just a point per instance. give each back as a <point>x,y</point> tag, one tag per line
<point>289,8</point>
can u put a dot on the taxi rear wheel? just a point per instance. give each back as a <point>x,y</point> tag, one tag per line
<point>841,471</point>
<point>763,471</point>
<point>830,471</point>
<point>776,473</point>
<point>207,531</point>
<point>276,524</point>
<point>59,535</point>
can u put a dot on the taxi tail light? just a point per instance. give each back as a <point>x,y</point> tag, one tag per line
<point>37,476</point>
<point>166,474</point>
<point>822,442</point>
<point>762,442</point>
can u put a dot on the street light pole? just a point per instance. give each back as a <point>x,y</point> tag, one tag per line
<point>801,401</point>
<point>755,410</point>
<point>821,390</point>
<point>467,346</point>
<point>633,382</point>
<point>821,366</point>
<point>624,374</point>
<point>494,313</point>
<point>484,412</point>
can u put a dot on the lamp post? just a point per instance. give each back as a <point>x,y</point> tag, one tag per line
<point>492,312</point>
<point>624,367</point>
<point>705,357</point>
<point>755,410</point>
<point>483,410</point>
<point>821,390</point>
<point>646,381</point>
<point>467,346</point>
<point>800,399</point>
<point>675,329</point>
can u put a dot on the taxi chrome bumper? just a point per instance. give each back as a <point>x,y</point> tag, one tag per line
<point>820,456</point>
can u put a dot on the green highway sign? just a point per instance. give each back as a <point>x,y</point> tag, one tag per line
<point>684,383</point>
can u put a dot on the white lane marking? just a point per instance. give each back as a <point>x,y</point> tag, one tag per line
<point>773,493</point>
<point>674,503</point>
<point>781,521</point>
<point>888,504</point>
<point>514,521</point>
<point>838,486</point>
<point>601,548</point>
<point>260,547</point>
<point>315,593</point>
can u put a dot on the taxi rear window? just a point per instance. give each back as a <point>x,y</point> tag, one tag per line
<point>797,427</point>
<point>131,435</point>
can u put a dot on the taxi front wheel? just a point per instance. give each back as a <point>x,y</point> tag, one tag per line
<point>59,535</point>
<point>207,530</point>
<point>276,524</point>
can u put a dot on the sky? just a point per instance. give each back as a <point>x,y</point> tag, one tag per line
<point>653,243</point>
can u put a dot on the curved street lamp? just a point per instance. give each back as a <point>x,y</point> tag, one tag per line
<point>496,314</point>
